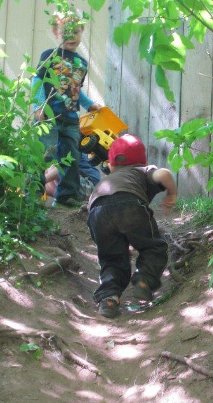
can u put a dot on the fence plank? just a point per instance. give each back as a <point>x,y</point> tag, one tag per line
<point>114,61</point>
<point>18,34</point>
<point>163,115</point>
<point>43,37</point>
<point>97,54</point>
<point>3,27</point>
<point>135,88</point>
<point>196,99</point>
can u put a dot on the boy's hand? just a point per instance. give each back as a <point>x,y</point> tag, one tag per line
<point>39,115</point>
<point>94,107</point>
<point>168,202</point>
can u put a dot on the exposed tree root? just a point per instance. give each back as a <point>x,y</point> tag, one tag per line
<point>52,339</point>
<point>187,361</point>
<point>72,357</point>
<point>181,250</point>
<point>58,264</point>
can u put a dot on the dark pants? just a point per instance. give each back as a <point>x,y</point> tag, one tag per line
<point>115,222</point>
<point>67,138</point>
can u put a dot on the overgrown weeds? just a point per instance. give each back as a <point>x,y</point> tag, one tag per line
<point>200,207</point>
<point>22,214</point>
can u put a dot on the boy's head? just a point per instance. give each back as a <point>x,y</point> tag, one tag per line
<point>68,28</point>
<point>127,150</point>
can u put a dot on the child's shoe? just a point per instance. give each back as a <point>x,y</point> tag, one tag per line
<point>109,307</point>
<point>142,292</point>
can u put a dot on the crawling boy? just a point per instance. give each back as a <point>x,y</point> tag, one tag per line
<point>120,216</point>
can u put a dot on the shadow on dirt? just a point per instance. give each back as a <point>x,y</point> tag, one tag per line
<point>88,358</point>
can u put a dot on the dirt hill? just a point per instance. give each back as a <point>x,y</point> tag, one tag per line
<point>161,352</point>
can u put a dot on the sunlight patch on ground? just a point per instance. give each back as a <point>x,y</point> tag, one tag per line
<point>16,296</point>
<point>90,396</point>
<point>50,393</point>
<point>143,393</point>
<point>126,352</point>
<point>177,394</point>
<point>166,329</point>
<point>14,325</point>
<point>94,330</point>
<point>197,313</point>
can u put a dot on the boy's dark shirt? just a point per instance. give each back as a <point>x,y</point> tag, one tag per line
<point>64,103</point>
<point>135,179</point>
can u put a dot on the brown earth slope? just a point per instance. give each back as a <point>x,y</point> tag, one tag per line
<point>88,358</point>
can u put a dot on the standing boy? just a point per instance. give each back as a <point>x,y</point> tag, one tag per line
<point>62,72</point>
<point>119,216</point>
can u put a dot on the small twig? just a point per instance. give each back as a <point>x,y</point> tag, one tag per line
<point>69,355</point>
<point>187,361</point>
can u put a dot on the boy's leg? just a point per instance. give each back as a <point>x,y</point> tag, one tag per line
<point>69,185</point>
<point>152,248</point>
<point>50,142</point>
<point>113,253</point>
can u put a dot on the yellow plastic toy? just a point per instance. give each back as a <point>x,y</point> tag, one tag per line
<point>99,129</point>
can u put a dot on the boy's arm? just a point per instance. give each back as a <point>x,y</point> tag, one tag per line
<point>164,177</point>
<point>87,103</point>
<point>40,98</point>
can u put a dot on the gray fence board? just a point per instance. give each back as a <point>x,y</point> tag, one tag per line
<point>135,88</point>
<point>196,99</point>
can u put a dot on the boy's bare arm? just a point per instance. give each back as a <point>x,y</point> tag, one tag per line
<point>164,177</point>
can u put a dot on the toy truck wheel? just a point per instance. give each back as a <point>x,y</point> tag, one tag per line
<point>88,144</point>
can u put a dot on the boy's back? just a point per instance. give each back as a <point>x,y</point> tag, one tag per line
<point>135,179</point>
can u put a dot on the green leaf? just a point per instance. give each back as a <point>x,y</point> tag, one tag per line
<point>122,34</point>
<point>176,163</point>
<point>172,11</point>
<point>172,154</point>
<point>164,134</point>
<point>28,347</point>
<point>49,112</point>
<point>210,184</point>
<point>210,263</point>
<point>96,4</point>
<point>2,53</point>
<point>45,128</point>
<point>37,354</point>
<point>7,161</point>
<point>197,29</point>
<point>136,6</point>
<point>187,155</point>
<point>163,82</point>
<point>192,126</point>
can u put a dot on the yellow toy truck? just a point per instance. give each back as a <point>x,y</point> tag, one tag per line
<point>99,129</point>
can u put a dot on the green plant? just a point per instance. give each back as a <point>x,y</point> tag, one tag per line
<point>211,275</point>
<point>33,348</point>
<point>22,214</point>
<point>184,152</point>
<point>200,207</point>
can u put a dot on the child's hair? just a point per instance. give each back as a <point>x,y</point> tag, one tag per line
<point>66,21</point>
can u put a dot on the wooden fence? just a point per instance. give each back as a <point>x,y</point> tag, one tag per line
<point>119,79</point>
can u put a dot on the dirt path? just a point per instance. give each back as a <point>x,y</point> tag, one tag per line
<point>87,358</point>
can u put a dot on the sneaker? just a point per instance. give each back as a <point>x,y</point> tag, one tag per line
<point>109,307</point>
<point>142,292</point>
